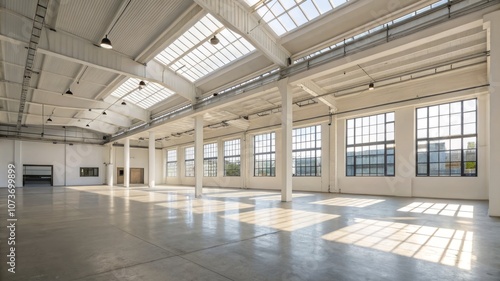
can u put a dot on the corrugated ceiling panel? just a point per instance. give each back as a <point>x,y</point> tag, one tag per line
<point>98,76</point>
<point>23,7</point>
<point>143,22</point>
<point>61,66</point>
<point>87,18</point>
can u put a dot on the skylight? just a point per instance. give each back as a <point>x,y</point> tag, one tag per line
<point>283,16</point>
<point>192,55</point>
<point>150,95</point>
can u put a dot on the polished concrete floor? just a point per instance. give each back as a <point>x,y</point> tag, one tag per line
<point>101,233</point>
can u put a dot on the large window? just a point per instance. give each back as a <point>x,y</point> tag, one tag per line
<point>232,160</point>
<point>370,145</point>
<point>447,139</point>
<point>189,161</point>
<point>172,163</point>
<point>210,160</point>
<point>265,155</point>
<point>306,151</point>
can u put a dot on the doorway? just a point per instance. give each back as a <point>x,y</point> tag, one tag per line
<point>38,175</point>
<point>136,175</point>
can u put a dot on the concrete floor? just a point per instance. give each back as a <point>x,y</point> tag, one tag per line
<point>98,233</point>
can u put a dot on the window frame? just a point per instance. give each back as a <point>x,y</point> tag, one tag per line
<point>309,137</point>
<point>235,149</point>
<point>462,137</point>
<point>210,148</point>
<point>85,172</point>
<point>271,153</point>
<point>169,161</point>
<point>189,160</point>
<point>388,144</point>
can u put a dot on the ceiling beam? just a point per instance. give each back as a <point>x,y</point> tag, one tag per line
<point>64,121</point>
<point>72,48</point>
<point>78,103</point>
<point>316,91</point>
<point>232,15</point>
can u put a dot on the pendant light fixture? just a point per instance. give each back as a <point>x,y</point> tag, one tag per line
<point>142,84</point>
<point>104,113</point>
<point>214,40</point>
<point>49,120</point>
<point>124,103</point>
<point>69,92</point>
<point>371,86</point>
<point>106,43</point>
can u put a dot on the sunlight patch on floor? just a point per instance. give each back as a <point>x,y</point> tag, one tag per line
<point>240,194</point>
<point>278,197</point>
<point>201,206</point>
<point>434,244</point>
<point>282,219</point>
<point>348,202</point>
<point>442,209</point>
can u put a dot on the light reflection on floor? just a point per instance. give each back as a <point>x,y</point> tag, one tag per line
<point>241,194</point>
<point>442,209</point>
<point>440,245</point>
<point>278,197</point>
<point>348,202</point>
<point>200,206</point>
<point>282,219</point>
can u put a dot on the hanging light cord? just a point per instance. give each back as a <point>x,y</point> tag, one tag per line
<point>366,73</point>
<point>123,11</point>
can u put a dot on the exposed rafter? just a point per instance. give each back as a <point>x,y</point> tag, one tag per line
<point>234,16</point>
<point>83,104</point>
<point>69,47</point>
<point>316,91</point>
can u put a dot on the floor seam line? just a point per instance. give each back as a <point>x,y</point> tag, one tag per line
<point>132,265</point>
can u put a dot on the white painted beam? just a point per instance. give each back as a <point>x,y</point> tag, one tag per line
<point>72,48</point>
<point>237,18</point>
<point>316,91</point>
<point>55,99</point>
<point>66,121</point>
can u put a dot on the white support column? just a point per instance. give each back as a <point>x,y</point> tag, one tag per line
<point>492,26</point>
<point>111,166</point>
<point>126,161</point>
<point>286,140</point>
<point>198,155</point>
<point>152,166</point>
<point>18,163</point>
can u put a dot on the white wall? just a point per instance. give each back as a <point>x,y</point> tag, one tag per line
<point>66,160</point>
<point>6,158</point>
<point>139,158</point>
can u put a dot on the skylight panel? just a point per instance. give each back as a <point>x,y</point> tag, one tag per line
<point>150,95</point>
<point>283,16</point>
<point>192,55</point>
